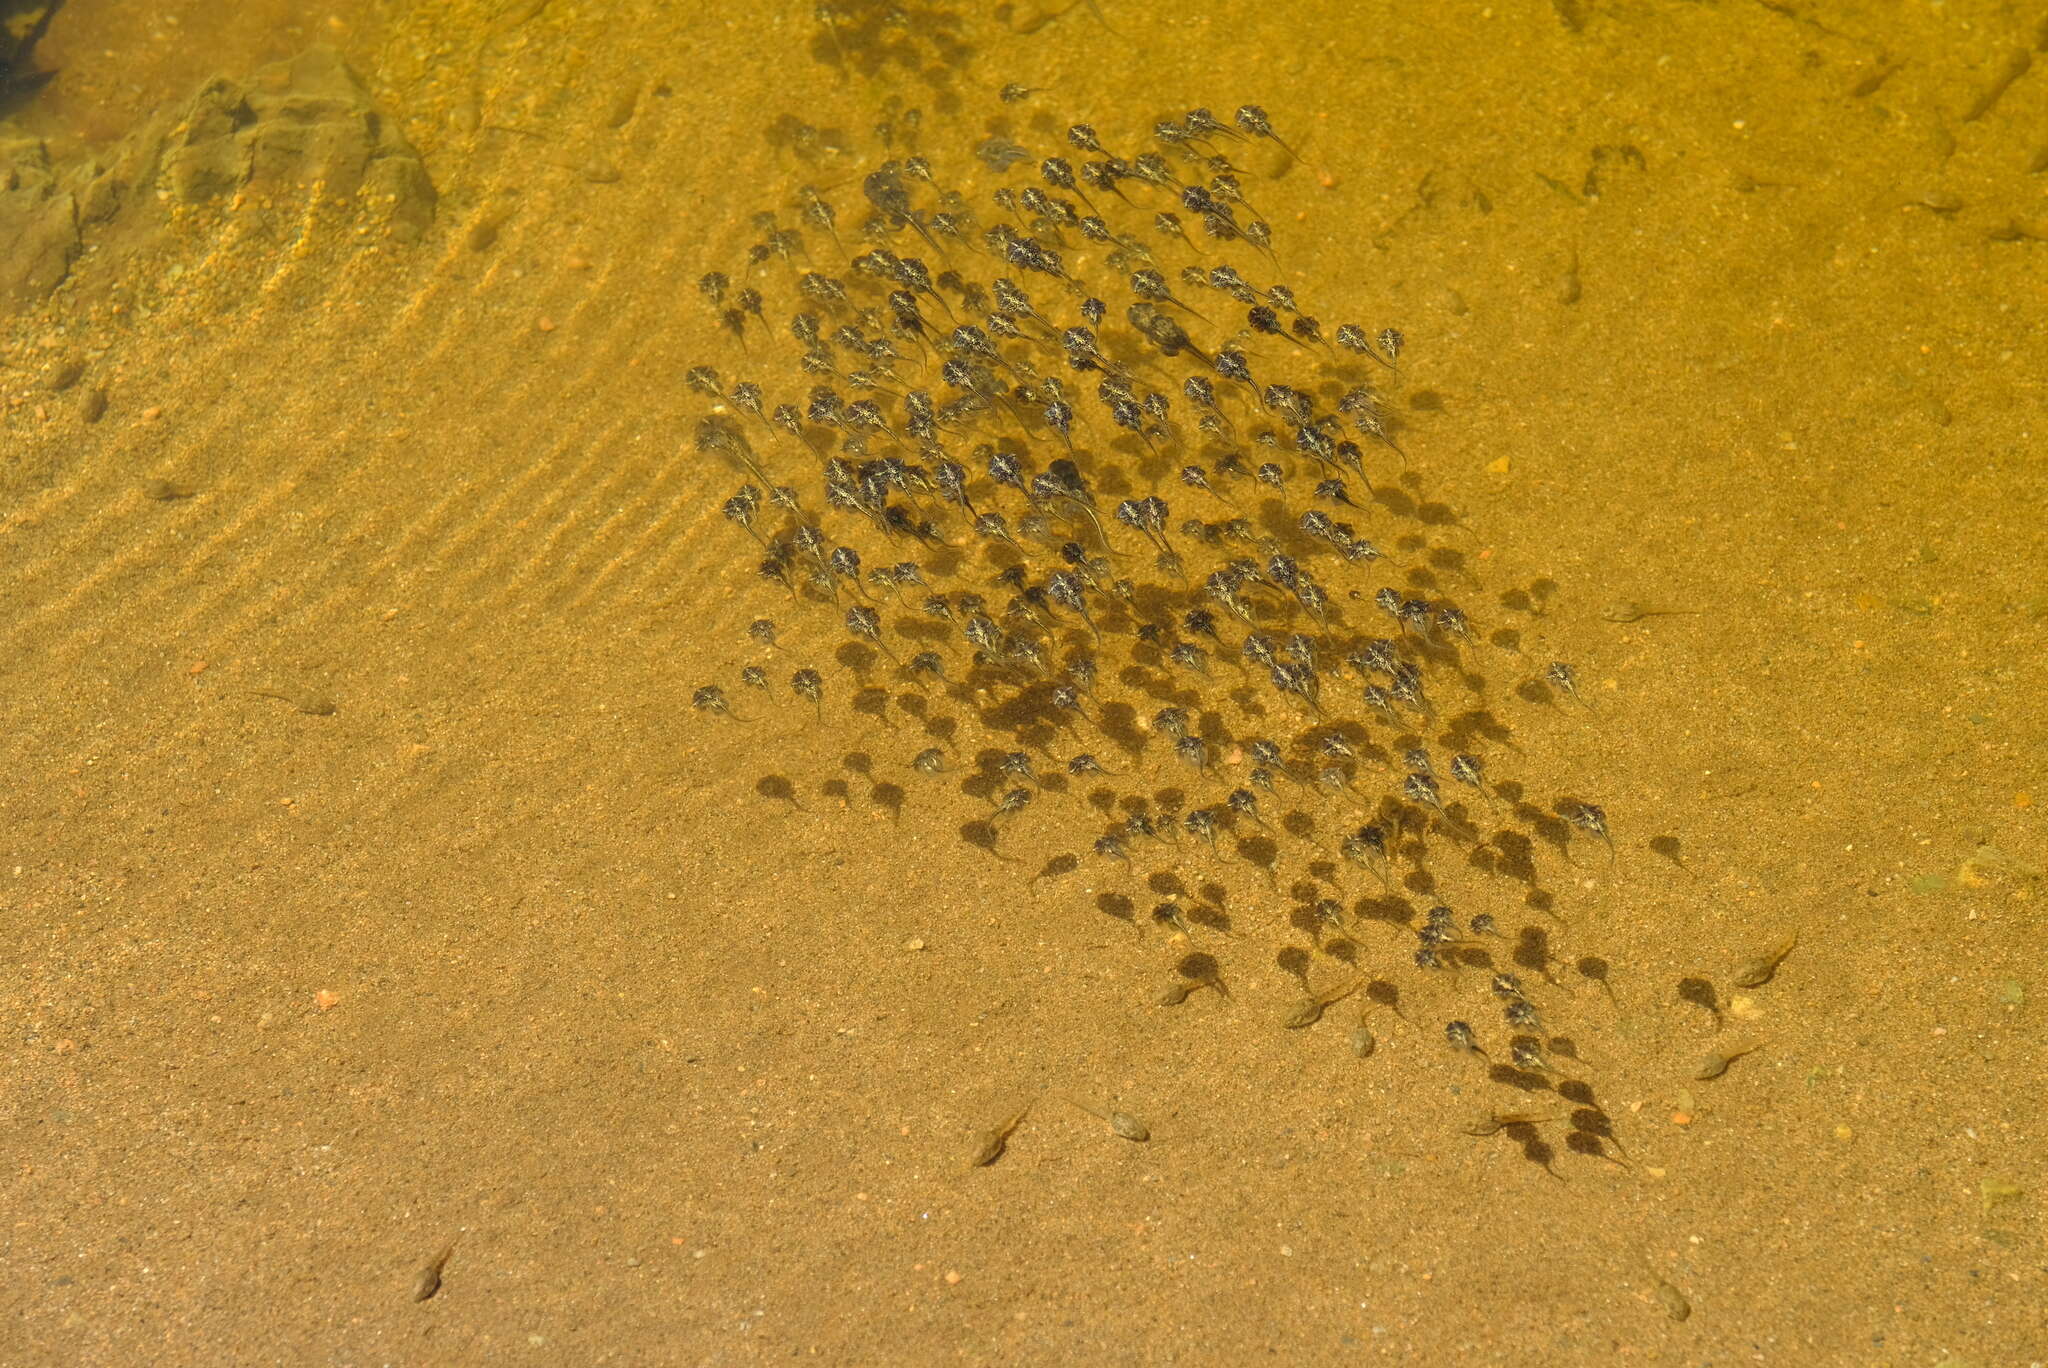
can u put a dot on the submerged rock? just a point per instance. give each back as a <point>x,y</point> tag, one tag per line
<point>301,125</point>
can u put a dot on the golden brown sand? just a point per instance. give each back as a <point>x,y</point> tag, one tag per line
<point>503,948</point>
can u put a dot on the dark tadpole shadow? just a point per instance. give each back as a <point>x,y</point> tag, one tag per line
<point>1118,906</point>
<point>1436,513</point>
<point>1118,721</point>
<point>1030,707</point>
<point>1058,867</point>
<point>1551,830</point>
<point>1516,857</point>
<point>1309,919</point>
<point>1700,993</point>
<point>983,836</point>
<point>857,659</point>
<point>777,788</point>
<point>1521,1080</point>
<point>1532,952</point>
<point>1535,1148</point>
<point>1398,912</point>
<point>1670,849</point>
<point>1451,561</point>
<point>1167,884</point>
<point>1590,1121</point>
<point>1202,968</point>
<point>1459,731</point>
<point>887,39</point>
<point>1592,1146</point>
<point>1398,502</point>
<point>807,142</point>
<point>889,797</point>
<point>1210,916</point>
<point>1262,852</point>
<point>874,702</point>
<point>1420,882</point>
<point>1578,1092</point>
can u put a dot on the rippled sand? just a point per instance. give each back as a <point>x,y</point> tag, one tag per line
<point>371,884</point>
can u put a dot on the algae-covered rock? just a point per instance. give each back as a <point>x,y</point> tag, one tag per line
<point>296,127</point>
<point>308,121</point>
<point>38,224</point>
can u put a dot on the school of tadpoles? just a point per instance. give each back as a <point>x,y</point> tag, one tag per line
<point>1052,456</point>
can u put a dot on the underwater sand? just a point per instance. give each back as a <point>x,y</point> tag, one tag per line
<point>370,884</point>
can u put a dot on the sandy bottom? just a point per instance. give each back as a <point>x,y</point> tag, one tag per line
<point>368,883</point>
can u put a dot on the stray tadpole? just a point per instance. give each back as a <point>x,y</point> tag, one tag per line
<point>428,1283</point>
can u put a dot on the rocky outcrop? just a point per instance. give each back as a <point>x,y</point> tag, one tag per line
<point>308,122</point>
<point>38,224</point>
